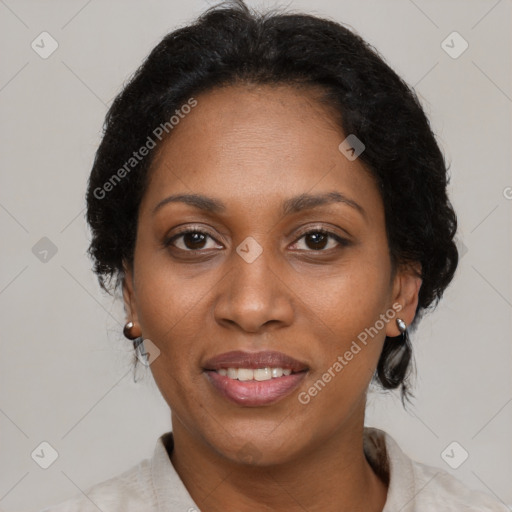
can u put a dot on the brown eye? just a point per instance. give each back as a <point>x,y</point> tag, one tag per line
<point>194,240</point>
<point>191,240</point>
<point>317,240</point>
<point>322,240</point>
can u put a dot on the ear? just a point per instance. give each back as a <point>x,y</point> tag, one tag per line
<point>129,294</point>
<point>406,287</point>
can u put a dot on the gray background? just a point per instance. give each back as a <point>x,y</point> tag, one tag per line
<point>65,369</point>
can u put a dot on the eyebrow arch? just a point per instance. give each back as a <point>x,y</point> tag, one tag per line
<point>308,201</point>
<point>291,205</point>
<point>199,201</point>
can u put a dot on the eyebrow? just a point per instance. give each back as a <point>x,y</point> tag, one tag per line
<point>309,201</point>
<point>292,205</point>
<point>199,201</point>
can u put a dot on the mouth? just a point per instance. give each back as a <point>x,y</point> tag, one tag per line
<point>254,379</point>
<point>258,374</point>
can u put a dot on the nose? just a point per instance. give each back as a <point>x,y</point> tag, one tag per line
<point>253,297</point>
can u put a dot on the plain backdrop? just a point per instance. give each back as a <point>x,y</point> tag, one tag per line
<point>66,371</point>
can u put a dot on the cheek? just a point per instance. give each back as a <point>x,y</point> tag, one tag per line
<point>168,309</point>
<point>164,302</point>
<point>171,315</point>
<point>348,307</point>
<point>351,298</point>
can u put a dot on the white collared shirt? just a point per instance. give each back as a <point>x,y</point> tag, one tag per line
<point>153,485</point>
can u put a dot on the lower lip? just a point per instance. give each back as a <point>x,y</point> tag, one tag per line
<point>253,393</point>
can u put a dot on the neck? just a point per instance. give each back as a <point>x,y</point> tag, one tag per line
<point>333,475</point>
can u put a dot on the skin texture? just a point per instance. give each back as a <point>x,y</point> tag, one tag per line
<point>252,147</point>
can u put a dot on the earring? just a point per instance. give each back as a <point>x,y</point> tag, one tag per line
<point>128,331</point>
<point>402,326</point>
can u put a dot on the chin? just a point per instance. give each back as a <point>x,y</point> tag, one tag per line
<point>256,448</point>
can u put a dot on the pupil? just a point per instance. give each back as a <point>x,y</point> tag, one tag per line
<point>318,237</point>
<point>194,239</point>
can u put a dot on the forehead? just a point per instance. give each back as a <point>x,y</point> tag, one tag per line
<point>254,144</point>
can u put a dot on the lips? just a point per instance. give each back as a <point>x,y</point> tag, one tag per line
<point>254,360</point>
<point>227,373</point>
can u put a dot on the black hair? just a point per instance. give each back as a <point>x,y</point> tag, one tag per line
<point>232,44</point>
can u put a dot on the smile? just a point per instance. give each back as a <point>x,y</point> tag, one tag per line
<point>260,374</point>
<point>254,387</point>
<point>253,379</point>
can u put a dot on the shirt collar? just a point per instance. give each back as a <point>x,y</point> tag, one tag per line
<point>381,450</point>
<point>393,466</point>
<point>170,492</point>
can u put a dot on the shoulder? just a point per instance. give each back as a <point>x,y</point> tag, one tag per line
<point>417,487</point>
<point>148,486</point>
<point>439,490</point>
<point>129,491</point>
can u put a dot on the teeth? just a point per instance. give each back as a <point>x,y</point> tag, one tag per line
<point>245,374</point>
<point>277,372</point>
<point>262,374</point>
<point>259,374</point>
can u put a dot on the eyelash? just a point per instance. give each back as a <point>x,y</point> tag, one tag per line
<point>169,242</point>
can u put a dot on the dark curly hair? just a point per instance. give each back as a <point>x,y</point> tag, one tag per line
<point>231,44</point>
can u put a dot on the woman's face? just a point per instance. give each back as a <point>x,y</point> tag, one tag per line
<point>266,162</point>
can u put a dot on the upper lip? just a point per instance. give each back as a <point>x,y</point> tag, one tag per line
<point>254,360</point>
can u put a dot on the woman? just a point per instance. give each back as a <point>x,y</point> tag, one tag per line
<point>270,198</point>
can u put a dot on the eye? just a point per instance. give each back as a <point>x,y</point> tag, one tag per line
<point>196,240</point>
<point>190,240</point>
<point>320,239</point>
